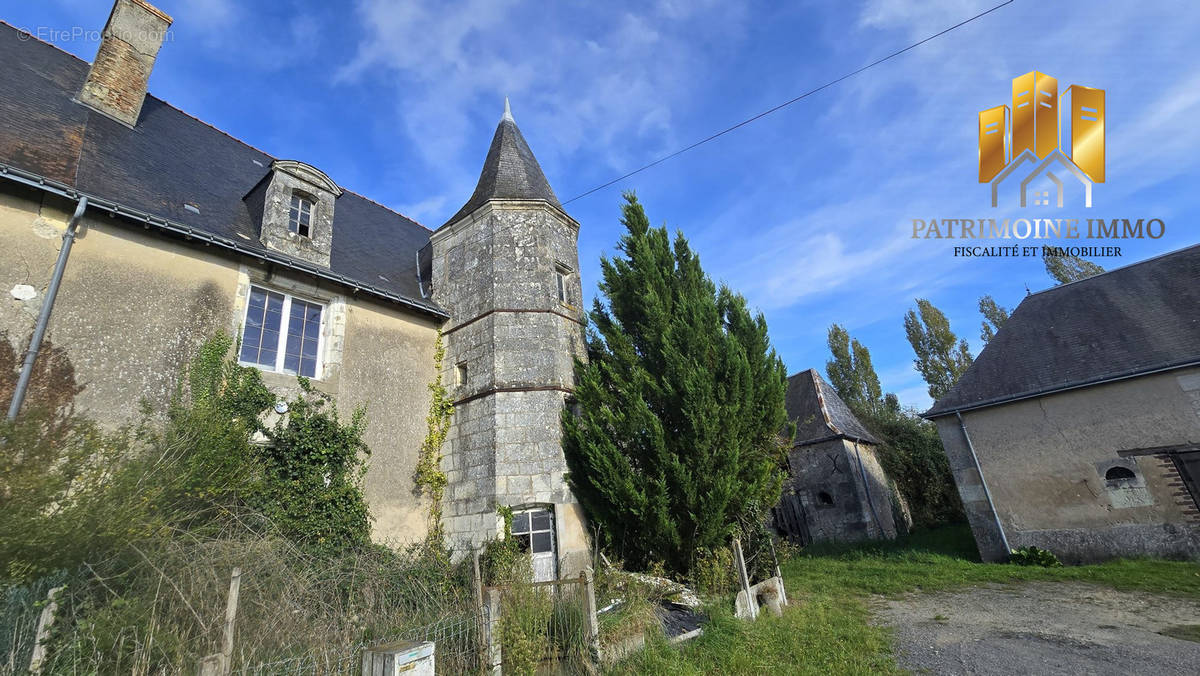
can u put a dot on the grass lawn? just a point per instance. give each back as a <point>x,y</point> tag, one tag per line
<point>826,628</point>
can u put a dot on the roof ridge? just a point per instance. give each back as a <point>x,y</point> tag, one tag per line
<point>820,391</point>
<point>1109,272</point>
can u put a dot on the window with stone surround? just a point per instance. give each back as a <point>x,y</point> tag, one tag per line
<point>282,333</point>
<point>562,279</point>
<point>300,214</point>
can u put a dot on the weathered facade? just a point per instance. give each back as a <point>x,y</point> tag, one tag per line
<point>836,489</point>
<point>1077,429</point>
<point>188,232</point>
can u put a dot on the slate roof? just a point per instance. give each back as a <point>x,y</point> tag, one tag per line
<point>1133,320</point>
<point>172,158</point>
<point>510,171</point>
<point>819,413</point>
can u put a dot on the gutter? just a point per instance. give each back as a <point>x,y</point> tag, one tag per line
<point>39,331</point>
<point>962,424</point>
<point>190,233</point>
<point>930,415</point>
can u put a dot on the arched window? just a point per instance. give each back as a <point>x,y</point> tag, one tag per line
<point>1119,473</point>
<point>824,499</point>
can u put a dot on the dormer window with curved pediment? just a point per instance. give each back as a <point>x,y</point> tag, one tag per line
<point>295,203</point>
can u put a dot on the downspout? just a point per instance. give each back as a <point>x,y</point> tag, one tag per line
<point>39,332</point>
<point>867,488</point>
<point>962,424</point>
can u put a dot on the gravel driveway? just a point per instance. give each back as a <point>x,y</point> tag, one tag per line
<point>1042,628</point>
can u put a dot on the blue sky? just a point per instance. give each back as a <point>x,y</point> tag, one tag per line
<point>807,212</point>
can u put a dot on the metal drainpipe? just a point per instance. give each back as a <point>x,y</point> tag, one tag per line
<point>867,488</point>
<point>962,424</point>
<point>35,343</point>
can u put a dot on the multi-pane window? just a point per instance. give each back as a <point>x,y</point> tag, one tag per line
<point>300,215</point>
<point>561,279</point>
<point>282,333</point>
<point>534,531</point>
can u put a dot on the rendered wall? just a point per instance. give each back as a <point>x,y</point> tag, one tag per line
<point>1044,461</point>
<point>134,306</point>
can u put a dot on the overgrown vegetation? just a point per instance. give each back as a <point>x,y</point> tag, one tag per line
<point>911,453</point>
<point>144,524</point>
<point>429,477</point>
<point>676,430</point>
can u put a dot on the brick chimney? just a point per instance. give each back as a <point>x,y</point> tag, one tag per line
<point>116,84</point>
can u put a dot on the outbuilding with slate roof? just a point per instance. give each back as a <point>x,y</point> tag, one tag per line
<point>1077,428</point>
<point>836,489</point>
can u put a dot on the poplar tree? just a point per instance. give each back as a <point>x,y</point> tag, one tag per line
<point>942,357</point>
<point>852,374</point>
<point>675,433</point>
<point>1065,269</point>
<point>994,317</point>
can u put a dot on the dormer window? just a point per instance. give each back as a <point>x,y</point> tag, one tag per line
<point>300,215</point>
<point>294,204</point>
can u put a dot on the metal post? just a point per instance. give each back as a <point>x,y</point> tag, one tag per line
<point>39,331</point>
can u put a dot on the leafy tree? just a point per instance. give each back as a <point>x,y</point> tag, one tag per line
<point>851,373</point>
<point>1065,269</point>
<point>675,433</point>
<point>994,317</point>
<point>941,356</point>
<point>913,457</point>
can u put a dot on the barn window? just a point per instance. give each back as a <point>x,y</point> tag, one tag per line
<point>1119,473</point>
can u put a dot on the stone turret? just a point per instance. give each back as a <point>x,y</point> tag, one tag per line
<point>506,265</point>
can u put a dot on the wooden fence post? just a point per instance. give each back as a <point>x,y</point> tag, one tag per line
<point>495,658</point>
<point>739,560</point>
<point>221,664</point>
<point>45,621</point>
<point>593,627</point>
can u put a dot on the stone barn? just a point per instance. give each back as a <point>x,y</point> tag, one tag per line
<point>1077,429</point>
<point>836,489</point>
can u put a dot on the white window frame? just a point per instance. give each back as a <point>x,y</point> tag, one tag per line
<point>562,283</point>
<point>284,320</point>
<point>312,208</point>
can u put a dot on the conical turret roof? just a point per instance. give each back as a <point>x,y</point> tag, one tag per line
<point>509,172</point>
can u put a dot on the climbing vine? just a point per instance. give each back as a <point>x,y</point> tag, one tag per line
<point>430,478</point>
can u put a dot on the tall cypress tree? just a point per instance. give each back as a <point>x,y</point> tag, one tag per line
<point>676,431</point>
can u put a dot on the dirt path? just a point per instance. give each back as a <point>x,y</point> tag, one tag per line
<point>1042,628</point>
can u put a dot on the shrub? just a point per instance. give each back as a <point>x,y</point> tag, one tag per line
<point>1034,556</point>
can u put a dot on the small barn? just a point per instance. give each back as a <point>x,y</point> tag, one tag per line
<point>836,489</point>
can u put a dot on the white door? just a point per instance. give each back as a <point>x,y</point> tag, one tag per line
<point>534,530</point>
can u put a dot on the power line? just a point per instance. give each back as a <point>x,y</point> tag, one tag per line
<point>788,103</point>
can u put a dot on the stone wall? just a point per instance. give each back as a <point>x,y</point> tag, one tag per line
<point>134,306</point>
<point>1044,461</point>
<point>515,342</point>
<point>837,503</point>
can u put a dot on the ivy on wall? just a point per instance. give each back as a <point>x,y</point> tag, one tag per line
<point>430,479</point>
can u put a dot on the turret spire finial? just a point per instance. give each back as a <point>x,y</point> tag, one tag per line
<point>507,112</point>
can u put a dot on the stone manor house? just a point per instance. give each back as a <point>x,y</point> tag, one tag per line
<point>187,231</point>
